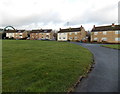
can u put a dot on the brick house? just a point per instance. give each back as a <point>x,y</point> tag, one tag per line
<point>20,34</point>
<point>72,34</point>
<point>41,34</point>
<point>16,34</point>
<point>107,34</point>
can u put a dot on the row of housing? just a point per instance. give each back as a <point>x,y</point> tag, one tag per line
<point>108,34</point>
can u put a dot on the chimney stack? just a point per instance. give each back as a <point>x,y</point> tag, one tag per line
<point>113,25</point>
<point>60,29</point>
<point>93,26</point>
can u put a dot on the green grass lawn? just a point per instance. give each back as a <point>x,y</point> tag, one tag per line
<point>42,66</point>
<point>112,46</point>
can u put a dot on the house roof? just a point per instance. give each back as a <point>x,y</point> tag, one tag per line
<point>106,28</point>
<point>70,30</point>
<point>14,31</point>
<point>41,31</point>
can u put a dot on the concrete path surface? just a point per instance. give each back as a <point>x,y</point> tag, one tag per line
<point>104,76</point>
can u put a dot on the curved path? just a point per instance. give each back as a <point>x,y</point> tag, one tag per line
<point>104,76</point>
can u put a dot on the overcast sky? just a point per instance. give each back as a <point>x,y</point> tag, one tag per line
<point>55,14</point>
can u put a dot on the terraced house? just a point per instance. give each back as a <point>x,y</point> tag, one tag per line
<point>107,34</point>
<point>72,34</point>
<point>16,34</point>
<point>41,34</point>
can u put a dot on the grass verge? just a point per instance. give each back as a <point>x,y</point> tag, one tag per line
<point>112,46</point>
<point>42,66</point>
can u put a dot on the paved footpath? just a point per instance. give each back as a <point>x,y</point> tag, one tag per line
<point>104,77</point>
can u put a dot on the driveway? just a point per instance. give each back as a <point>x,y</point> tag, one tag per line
<point>104,76</point>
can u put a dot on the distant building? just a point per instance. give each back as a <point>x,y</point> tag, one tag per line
<point>1,30</point>
<point>72,34</point>
<point>107,34</point>
<point>16,34</point>
<point>42,34</point>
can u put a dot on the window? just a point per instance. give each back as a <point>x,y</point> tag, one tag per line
<point>117,32</point>
<point>20,36</point>
<point>117,39</point>
<point>64,38</point>
<point>47,33</point>
<point>75,33</point>
<point>95,33</point>
<point>76,38</point>
<point>47,36</point>
<point>70,33</point>
<point>70,38</point>
<point>104,39</point>
<point>95,39</point>
<point>62,33</point>
<point>59,37</point>
<point>104,32</point>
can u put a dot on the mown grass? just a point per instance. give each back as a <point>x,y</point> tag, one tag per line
<point>114,46</point>
<point>42,66</point>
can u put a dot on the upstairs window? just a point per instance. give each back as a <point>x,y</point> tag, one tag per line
<point>104,32</point>
<point>62,33</point>
<point>95,33</point>
<point>75,33</point>
<point>117,32</point>
<point>70,33</point>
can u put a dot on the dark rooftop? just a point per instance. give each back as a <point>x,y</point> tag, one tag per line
<point>106,28</point>
<point>14,31</point>
<point>41,31</point>
<point>70,30</point>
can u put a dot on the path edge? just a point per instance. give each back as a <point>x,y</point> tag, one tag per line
<point>91,67</point>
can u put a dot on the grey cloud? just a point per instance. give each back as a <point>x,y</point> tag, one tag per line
<point>44,18</point>
<point>104,15</point>
<point>119,12</point>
